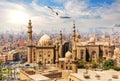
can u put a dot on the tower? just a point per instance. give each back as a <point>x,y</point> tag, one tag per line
<point>57,54</point>
<point>29,42</point>
<point>74,52</point>
<point>74,32</point>
<point>109,50</point>
<point>60,45</point>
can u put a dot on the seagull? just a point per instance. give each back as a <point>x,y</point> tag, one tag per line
<point>62,17</point>
<point>65,17</point>
<point>53,10</point>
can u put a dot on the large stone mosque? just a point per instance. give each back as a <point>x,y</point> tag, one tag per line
<point>48,52</point>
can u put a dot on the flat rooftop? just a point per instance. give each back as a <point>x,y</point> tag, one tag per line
<point>38,77</point>
<point>104,75</point>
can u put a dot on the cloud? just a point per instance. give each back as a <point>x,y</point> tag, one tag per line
<point>81,11</point>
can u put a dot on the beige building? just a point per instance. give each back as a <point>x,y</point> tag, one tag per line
<point>93,50</point>
<point>30,75</point>
<point>13,56</point>
<point>108,75</point>
<point>45,74</point>
<point>116,56</point>
<point>3,58</point>
<point>48,52</point>
<point>43,52</point>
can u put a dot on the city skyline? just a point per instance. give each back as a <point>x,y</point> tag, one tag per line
<point>84,13</point>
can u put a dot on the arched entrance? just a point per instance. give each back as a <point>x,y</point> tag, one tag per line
<point>93,56</point>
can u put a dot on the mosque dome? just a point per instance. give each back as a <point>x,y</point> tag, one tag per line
<point>44,40</point>
<point>68,54</point>
<point>92,39</point>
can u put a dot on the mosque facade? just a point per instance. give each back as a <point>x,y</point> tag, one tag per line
<point>49,52</point>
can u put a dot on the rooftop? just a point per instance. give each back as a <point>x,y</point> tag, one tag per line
<point>103,75</point>
<point>38,77</point>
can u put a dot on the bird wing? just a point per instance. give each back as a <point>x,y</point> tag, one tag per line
<point>51,8</point>
<point>65,17</point>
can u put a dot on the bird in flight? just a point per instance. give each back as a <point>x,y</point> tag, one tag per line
<point>62,17</point>
<point>52,10</point>
<point>67,17</point>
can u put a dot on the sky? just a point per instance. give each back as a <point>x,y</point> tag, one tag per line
<point>15,14</point>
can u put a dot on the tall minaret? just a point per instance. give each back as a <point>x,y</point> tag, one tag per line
<point>109,50</point>
<point>29,42</point>
<point>74,33</point>
<point>60,45</point>
<point>57,54</point>
<point>74,52</point>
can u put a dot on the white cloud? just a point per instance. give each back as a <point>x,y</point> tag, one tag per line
<point>43,17</point>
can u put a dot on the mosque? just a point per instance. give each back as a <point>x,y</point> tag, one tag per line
<point>48,52</point>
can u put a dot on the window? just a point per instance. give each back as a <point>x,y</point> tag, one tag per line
<point>70,79</point>
<point>48,55</point>
<point>93,55</point>
<point>75,58</point>
<point>106,52</point>
<point>48,62</point>
<point>34,54</point>
<point>40,55</point>
<point>66,67</point>
<point>81,53</point>
<point>34,59</point>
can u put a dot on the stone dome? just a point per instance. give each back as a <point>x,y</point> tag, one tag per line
<point>68,54</point>
<point>92,39</point>
<point>44,40</point>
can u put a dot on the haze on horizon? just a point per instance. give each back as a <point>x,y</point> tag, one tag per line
<point>85,13</point>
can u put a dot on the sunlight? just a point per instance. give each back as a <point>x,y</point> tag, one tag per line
<point>18,17</point>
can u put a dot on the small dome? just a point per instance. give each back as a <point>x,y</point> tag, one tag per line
<point>56,42</point>
<point>44,40</point>
<point>68,54</point>
<point>92,39</point>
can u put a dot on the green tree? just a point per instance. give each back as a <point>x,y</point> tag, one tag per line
<point>39,64</point>
<point>94,65</point>
<point>116,68</point>
<point>81,63</point>
<point>108,64</point>
<point>0,71</point>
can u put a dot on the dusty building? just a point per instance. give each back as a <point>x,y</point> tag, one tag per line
<point>44,51</point>
<point>116,56</point>
<point>13,56</point>
<point>45,74</point>
<point>48,52</point>
<point>3,58</point>
<point>109,75</point>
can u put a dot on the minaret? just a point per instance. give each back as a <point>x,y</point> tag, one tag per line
<point>109,50</point>
<point>74,33</point>
<point>57,54</point>
<point>29,42</point>
<point>60,44</point>
<point>74,52</point>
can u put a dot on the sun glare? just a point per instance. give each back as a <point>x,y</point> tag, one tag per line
<point>18,17</point>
